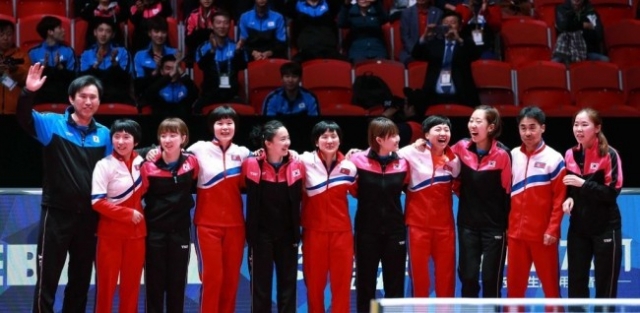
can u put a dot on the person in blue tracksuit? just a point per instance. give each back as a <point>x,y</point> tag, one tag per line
<point>73,143</point>
<point>263,32</point>
<point>291,99</point>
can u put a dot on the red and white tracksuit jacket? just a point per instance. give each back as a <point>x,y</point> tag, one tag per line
<point>429,217</point>
<point>219,223</point>
<point>115,194</point>
<point>327,240</point>
<point>537,194</point>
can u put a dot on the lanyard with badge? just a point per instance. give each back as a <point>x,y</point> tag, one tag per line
<point>477,32</point>
<point>228,52</point>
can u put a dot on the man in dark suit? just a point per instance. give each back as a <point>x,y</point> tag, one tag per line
<point>413,22</point>
<point>449,79</point>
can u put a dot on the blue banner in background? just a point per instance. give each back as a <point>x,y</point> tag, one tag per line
<point>20,214</point>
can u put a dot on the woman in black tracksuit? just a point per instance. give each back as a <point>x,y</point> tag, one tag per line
<point>594,181</point>
<point>380,232</point>
<point>274,183</point>
<point>168,201</point>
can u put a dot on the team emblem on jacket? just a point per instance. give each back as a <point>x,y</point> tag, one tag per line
<point>594,166</point>
<point>396,166</point>
<point>447,168</point>
<point>186,167</point>
<point>345,171</point>
<point>492,163</point>
<point>296,173</point>
<point>96,139</point>
<point>235,157</point>
<point>539,165</point>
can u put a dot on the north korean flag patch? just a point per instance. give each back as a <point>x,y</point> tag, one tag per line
<point>539,165</point>
<point>235,157</point>
<point>345,171</point>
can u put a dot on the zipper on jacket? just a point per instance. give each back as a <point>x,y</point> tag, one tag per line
<point>174,173</point>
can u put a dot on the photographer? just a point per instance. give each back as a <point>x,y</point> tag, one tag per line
<point>448,79</point>
<point>581,33</point>
<point>14,65</point>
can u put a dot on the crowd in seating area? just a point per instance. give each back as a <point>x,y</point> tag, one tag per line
<point>275,57</point>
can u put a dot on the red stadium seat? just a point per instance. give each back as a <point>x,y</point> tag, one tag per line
<point>28,36</point>
<point>329,80</point>
<point>494,82</point>
<point>545,10</point>
<point>241,109</point>
<point>51,107</point>
<point>392,72</point>
<point>623,42</point>
<point>263,77</point>
<point>449,110</point>
<point>416,72</point>
<point>6,8</point>
<point>8,17</point>
<point>117,109</point>
<point>611,11</point>
<point>25,8</point>
<point>80,28</point>
<point>526,40</point>
<point>632,86</point>
<point>596,84</point>
<point>544,84</point>
<point>343,110</point>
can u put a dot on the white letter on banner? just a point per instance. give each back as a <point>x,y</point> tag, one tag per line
<point>21,265</point>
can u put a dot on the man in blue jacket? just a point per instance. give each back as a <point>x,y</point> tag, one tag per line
<point>291,99</point>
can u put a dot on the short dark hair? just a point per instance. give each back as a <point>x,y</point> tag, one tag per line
<point>222,112</point>
<point>4,24</point>
<point>128,126</point>
<point>46,24</point>
<point>84,81</point>
<point>533,112</point>
<point>221,13</point>
<point>103,20</point>
<point>166,58</point>
<point>325,126</point>
<point>448,13</point>
<point>261,133</point>
<point>434,120</point>
<point>158,23</point>
<point>291,68</point>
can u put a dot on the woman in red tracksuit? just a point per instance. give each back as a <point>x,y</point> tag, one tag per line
<point>327,241</point>
<point>218,217</point>
<point>429,209</point>
<point>274,183</point>
<point>380,234</point>
<point>116,195</point>
<point>594,181</point>
<point>167,185</point>
<point>484,187</point>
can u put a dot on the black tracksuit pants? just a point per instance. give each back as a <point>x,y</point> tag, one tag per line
<point>263,254</point>
<point>481,246</point>
<point>63,231</point>
<point>605,250</point>
<point>371,249</point>
<point>166,265</point>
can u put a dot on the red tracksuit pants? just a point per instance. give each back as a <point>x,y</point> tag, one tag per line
<point>520,255</point>
<point>327,254</point>
<point>124,258</point>
<point>439,244</point>
<point>220,251</point>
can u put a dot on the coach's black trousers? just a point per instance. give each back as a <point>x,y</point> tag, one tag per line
<point>476,247</point>
<point>61,232</point>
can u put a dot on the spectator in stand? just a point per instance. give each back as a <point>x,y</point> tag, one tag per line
<point>220,61</point>
<point>482,19</point>
<point>314,32</point>
<point>93,11</point>
<point>450,5</point>
<point>172,93</point>
<point>263,32</point>
<point>413,22</point>
<point>14,65</point>
<point>364,21</point>
<point>242,6</point>
<point>141,12</point>
<point>198,27</point>
<point>110,63</point>
<point>581,34</point>
<point>146,61</point>
<point>58,59</point>
<point>448,78</point>
<point>291,99</point>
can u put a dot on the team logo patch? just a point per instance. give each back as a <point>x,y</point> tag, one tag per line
<point>448,168</point>
<point>539,165</point>
<point>296,173</point>
<point>345,171</point>
<point>96,139</point>
<point>186,167</point>
<point>137,167</point>
<point>492,163</point>
<point>593,166</point>
<point>396,166</point>
<point>235,157</point>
